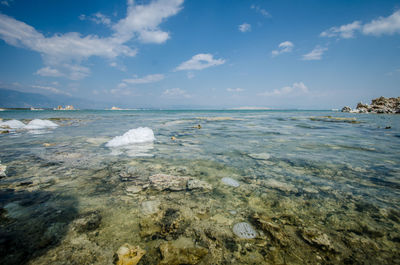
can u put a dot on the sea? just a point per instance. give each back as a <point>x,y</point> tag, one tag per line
<point>199,187</point>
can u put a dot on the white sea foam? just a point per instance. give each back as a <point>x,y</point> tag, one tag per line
<point>134,136</point>
<point>12,124</point>
<point>39,124</point>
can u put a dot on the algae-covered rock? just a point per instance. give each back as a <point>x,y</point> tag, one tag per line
<point>132,189</point>
<point>181,251</point>
<point>87,222</point>
<point>316,238</point>
<point>168,182</point>
<point>198,184</point>
<point>334,119</point>
<point>282,186</point>
<point>129,255</point>
<point>271,228</point>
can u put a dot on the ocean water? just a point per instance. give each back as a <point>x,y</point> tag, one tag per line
<point>312,187</point>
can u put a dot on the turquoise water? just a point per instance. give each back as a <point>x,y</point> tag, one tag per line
<point>316,188</point>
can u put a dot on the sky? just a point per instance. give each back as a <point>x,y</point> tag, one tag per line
<point>304,54</point>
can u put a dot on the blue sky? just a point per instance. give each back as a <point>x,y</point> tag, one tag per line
<point>218,54</point>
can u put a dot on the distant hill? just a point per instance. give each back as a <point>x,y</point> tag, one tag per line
<point>16,99</point>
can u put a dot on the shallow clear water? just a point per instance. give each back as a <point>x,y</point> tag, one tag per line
<point>315,190</point>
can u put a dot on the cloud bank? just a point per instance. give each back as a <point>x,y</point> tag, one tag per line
<point>63,53</point>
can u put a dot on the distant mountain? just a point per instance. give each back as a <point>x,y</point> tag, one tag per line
<point>17,99</point>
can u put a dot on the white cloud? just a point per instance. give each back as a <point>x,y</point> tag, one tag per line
<point>97,18</point>
<point>200,61</point>
<point>245,27</point>
<point>52,89</point>
<point>283,47</point>
<point>144,20</point>
<point>73,72</point>
<point>383,25</point>
<point>344,31</point>
<point>48,71</point>
<point>176,92</point>
<point>315,54</point>
<point>235,89</point>
<point>144,80</point>
<point>65,52</point>
<point>260,10</point>
<point>296,89</point>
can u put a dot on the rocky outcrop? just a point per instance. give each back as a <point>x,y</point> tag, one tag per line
<point>378,105</point>
<point>128,255</point>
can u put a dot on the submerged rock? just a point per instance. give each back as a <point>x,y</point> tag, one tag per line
<point>198,184</point>
<point>181,251</point>
<point>244,230</point>
<point>334,119</point>
<point>129,255</point>
<point>87,222</point>
<point>316,238</point>
<point>230,182</point>
<point>275,184</point>
<point>132,189</point>
<point>168,182</point>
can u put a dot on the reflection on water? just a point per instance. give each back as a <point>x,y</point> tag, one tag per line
<point>244,187</point>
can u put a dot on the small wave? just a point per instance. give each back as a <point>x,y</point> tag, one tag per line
<point>133,136</point>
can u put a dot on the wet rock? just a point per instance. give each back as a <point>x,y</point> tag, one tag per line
<point>128,255</point>
<point>4,131</point>
<point>193,184</point>
<point>346,109</point>
<point>87,222</point>
<point>244,230</point>
<point>168,182</point>
<point>3,169</point>
<point>181,251</point>
<point>378,105</point>
<point>315,237</point>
